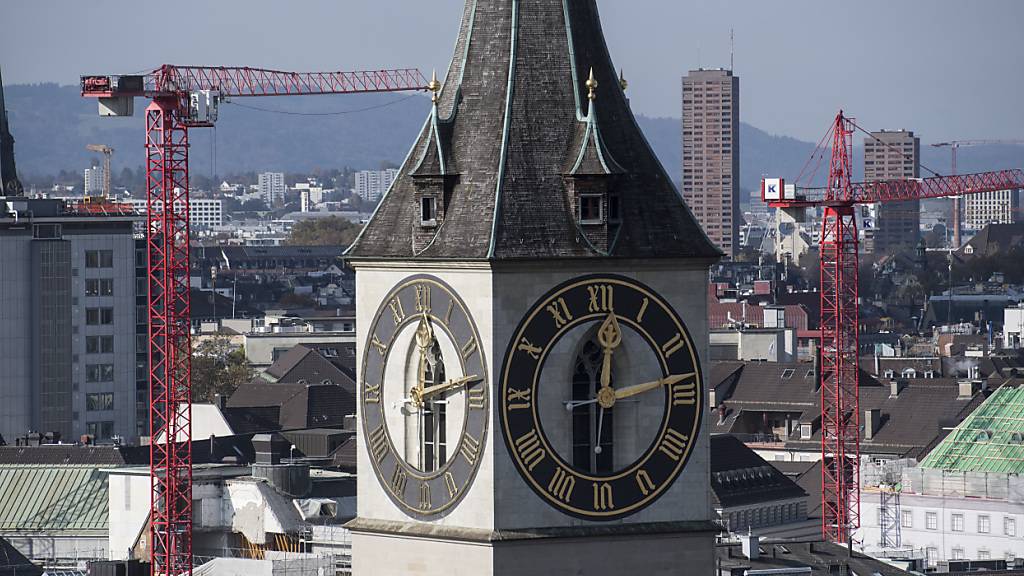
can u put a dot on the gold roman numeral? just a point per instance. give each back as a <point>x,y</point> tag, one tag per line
<point>477,398</point>
<point>560,312</point>
<point>533,351</point>
<point>378,444</point>
<point>397,312</point>
<point>470,449</point>
<point>602,298</point>
<point>448,314</point>
<point>643,479</point>
<point>469,349</point>
<point>371,394</point>
<point>530,451</point>
<point>674,444</point>
<point>382,348</point>
<point>422,298</point>
<point>684,394</point>
<point>603,497</point>
<point>643,310</point>
<point>520,399</point>
<point>674,345</point>
<point>561,485</point>
<point>398,481</point>
<point>449,483</point>
<point>425,496</point>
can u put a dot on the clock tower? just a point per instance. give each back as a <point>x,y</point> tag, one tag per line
<point>531,322</point>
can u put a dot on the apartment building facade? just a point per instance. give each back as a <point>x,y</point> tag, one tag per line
<point>892,155</point>
<point>711,154</point>
<point>371,185</point>
<point>1002,207</point>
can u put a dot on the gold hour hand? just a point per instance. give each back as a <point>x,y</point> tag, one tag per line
<point>609,336</point>
<point>450,385</point>
<point>647,387</point>
<point>424,339</point>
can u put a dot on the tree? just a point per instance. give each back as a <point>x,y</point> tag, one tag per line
<point>332,231</point>
<point>218,368</point>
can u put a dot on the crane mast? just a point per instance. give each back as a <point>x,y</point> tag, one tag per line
<point>184,97</point>
<point>840,314</point>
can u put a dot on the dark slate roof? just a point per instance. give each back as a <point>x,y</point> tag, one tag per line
<point>308,365</point>
<point>261,406</point>
<point>512,116</point>
<point>13,563</point>
<point>740,477</point>
<point>344,458</point>
<point>911,424</point>
<point>807,476</point>
<point>993,239</point>
<point>74,455</point>
<point>823,558</point>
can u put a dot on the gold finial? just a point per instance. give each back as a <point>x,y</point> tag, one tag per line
<point>622,80</point>
<point>435,88</point>
<point>592,85</point>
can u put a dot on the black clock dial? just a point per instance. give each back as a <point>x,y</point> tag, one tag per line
<point>424,397</point>
<point>601,397</point>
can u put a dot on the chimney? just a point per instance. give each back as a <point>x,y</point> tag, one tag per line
<point>722,413</point>
<point>269,448</point>
<point>751,546</point>
<point>878,365</point>
<point>897,386</point>
<point>872,422</point>
<point>220,401</point>
<point>350,423</point>
<point>967,389</point>
<point>712,399</point>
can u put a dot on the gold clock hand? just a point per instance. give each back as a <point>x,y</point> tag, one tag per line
<point>424,339</point>
<point>450,385</point>
<point>609,336</point>
<point>646,387</point>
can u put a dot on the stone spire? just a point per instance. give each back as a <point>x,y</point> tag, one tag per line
<point>517,161</point>
<point>9,183</point>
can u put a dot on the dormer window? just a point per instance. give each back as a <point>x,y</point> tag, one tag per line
<point>428,211</point>
<point>910,373</point>
<point>890,374</point>
<point>591,209</point>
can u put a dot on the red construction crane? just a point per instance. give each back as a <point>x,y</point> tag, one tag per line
<point>184,97</point>
<point>840,413</point>
<point>954,146</point>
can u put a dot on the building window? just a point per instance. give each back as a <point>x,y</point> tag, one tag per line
<point>1010,526</point>
<point>931,557</point>
<point>46,231</point>
<point>100,430</point>
<point>984,524</point>
<point>931,520</point>
<point>99,402</point>
<point>592,448</point>
<point>956,522</point>
<point>591,209</point>
<point>984,554</point>
<point>805,432</point>
<point>958,553</point>
<point>99,258</point>
<point>99,287</point>
<point>99,344</point>
<point>907,519</point>
<point>433,416</point>
<point>99,373</point>
<point>1011,558</point>
<point>99,316</point>
<point>428,211</point>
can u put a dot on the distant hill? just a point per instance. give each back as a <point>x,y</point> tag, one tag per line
<point>52,124</point>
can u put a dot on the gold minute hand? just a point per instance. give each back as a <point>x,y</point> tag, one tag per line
<point>641,388</point>
<point>609,336</point>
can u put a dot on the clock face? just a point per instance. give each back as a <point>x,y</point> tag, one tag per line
<point>424,397</point>
<point>601,397</point>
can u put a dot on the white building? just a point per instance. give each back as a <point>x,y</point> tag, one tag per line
<point>272,188</point>
<point>999,207</point>
<point>94,180</point>
<point>203,213</point>
<point>372,184</point>
<point>1013,327</point>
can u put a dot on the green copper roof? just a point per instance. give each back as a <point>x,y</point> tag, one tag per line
<point>991,439</point>
<point>53,499</point>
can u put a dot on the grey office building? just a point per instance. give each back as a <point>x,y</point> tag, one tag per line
<point>68,322</point>
<point>711,154</point>
<point>893,155</point>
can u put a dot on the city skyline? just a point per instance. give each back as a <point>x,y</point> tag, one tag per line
<point>775,46</point>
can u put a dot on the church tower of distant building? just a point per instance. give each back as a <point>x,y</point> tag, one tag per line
<point>711,154</point>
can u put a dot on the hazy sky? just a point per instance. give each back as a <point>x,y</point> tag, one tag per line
<point>948,69</point>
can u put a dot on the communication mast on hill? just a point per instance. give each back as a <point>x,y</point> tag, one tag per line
<point>181,98</point>
<point>840,315</point>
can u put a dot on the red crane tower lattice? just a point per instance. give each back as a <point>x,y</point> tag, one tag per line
<point>184,97</point>
<point>840,412</point>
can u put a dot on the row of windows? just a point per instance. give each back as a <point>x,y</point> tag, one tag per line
<point>99,344</point>
<point>99,287</point>
<point>99,258</point>
<point>100,430</point>
<point>99,402</point>
<point>99,316</point>
<point>99,373</point>
<point>956,522</point>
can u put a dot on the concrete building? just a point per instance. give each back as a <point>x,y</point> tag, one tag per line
<point>67,321</point>
<point>371,185</point>
<point>1002,207</point>
<point>1013,327</point>
<point>203,212</point>
<point>892,155</point>
<point>711,154</point>
<point>272,188</point>
<point>93,180</point>
<point>965,501</point>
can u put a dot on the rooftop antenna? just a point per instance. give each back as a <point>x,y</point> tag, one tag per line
<point>732,49</point>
